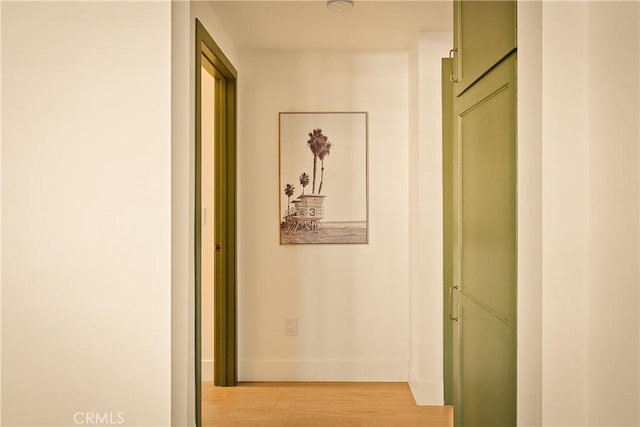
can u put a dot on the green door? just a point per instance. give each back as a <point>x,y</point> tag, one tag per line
<point>484,33</point>
<point>484,250</point>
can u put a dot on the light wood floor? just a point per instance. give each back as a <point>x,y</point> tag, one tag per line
<point>296,404</point>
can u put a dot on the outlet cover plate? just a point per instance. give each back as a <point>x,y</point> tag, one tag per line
<point>291,327</point>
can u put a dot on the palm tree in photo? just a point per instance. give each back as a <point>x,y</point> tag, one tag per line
<point>316,143</point>
<point>324,151</point>
<point>288,190</point>
<point>304,180</point>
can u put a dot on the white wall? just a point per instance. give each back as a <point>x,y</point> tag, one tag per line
<point>182,206</point>
<point>589,171</point>
<point>208,237</point>
<point>529,214</point>
<point>425,213</point>
<point>0,213</point>
<point>352,301</point>
<point>614,142</point>
<point>565,215</point>
<point>86,173</point>
<point>183,16</point>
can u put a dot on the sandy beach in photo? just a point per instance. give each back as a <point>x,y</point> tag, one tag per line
<point>334,233</point>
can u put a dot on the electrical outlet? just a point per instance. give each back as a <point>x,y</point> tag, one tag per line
<point>291,327</point>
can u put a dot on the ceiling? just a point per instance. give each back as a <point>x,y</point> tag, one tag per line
<point>310,25</point>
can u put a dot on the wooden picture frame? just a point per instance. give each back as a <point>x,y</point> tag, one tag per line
<point>323,178</point>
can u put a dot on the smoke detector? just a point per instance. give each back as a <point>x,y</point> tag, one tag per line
<point>340,5</point>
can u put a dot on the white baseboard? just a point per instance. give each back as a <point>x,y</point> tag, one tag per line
<point>207,370</point>
<point>323,370</point>
<point>426,393</point>
<point>413,383</point>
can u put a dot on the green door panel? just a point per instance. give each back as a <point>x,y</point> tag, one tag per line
<point>488,390</point>
<point>484,248</point>
<point>487,132</point>
<point>484,33</point>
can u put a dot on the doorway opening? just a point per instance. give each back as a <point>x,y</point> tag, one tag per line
<point>215,216</point>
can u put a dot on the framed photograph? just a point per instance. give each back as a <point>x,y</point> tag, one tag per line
<point>323,178</point>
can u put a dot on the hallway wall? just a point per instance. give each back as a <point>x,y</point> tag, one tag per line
<point>529,189</point>
<point>613,366</point>
<point>352,301</point>
<point>565,214</point>
<point>0,207</point>
<point>86,213</point>
<point>579,190</point>
<point>425,216</point>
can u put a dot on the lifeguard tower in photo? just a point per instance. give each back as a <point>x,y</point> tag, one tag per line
<point>306,213</point>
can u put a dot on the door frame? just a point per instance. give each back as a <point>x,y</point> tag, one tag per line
<point>225,340</point>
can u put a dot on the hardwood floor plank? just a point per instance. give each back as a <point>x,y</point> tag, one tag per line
<point>318,404</point>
